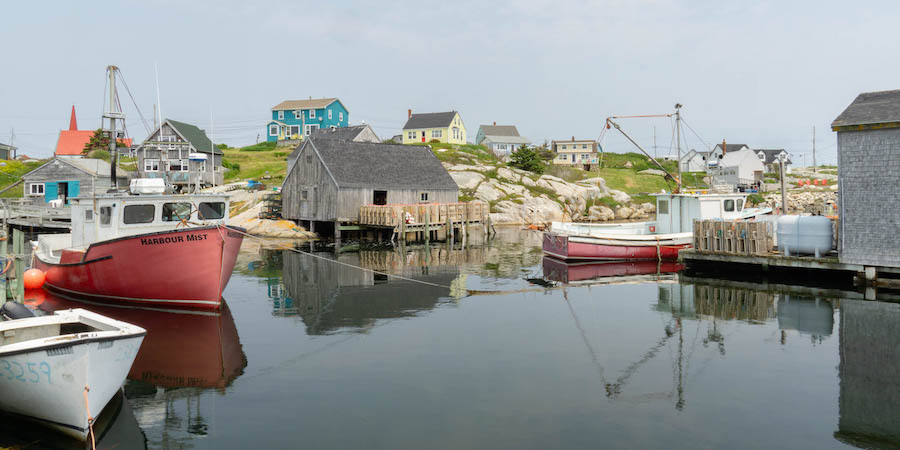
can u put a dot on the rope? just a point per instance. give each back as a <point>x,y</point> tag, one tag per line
<point>87,408</point>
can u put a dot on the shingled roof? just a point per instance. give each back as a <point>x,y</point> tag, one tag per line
<point>499,130</point>
<point>871,108</point>
<point>313,103</point>
<point>385,166</point>
<point>430,120</point>
<point>771,154</point>
<point>195,136</point>
<point>732,147</point>
<point>341,133</point>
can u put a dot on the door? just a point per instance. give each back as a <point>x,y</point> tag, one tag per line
<point>49,192</point>
<point>74,189</point>
<point>63,192</point>
<point>423,136</point>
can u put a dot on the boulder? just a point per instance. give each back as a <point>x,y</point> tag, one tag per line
<point>628,164</point>
<point>488,192</point>
<point>534,210</point>
<point>469,168</point>
<point>653,172</point>
<point>600,213</point>
<point>598,182</point>
<point>527,181</point>
<point>624,212</point>
<point>648,207</point>
<point>619,196</point>
<point>507,174</point>
<point>467,180</point>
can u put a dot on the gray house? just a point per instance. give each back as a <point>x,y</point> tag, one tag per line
<point>868,150</point>
<point>70,176</point>
<point>331,179</point>
<point>500,139</point>
<point>771,157</point>
<point>182,154</point>
<point>7,152</point>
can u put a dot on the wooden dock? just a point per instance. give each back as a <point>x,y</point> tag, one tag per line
<point>427,221</point>
<point>28,216</point>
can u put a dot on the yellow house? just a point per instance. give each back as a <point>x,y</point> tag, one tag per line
<point>443,126</point>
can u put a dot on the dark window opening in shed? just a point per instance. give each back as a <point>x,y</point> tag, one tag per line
<point>424,197</point>
<point>309,158</point>
<point>305,195</point>
<point>379,198</point>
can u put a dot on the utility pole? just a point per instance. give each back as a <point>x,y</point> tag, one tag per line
<point>784,205</point>
<point>654,142</point>
<point>814,148</point>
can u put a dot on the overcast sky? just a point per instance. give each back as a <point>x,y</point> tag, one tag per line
<point>761,73</point>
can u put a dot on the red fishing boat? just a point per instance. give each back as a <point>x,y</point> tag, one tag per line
<point>143,249</point>
<point>615,248</point>
<point>570,272</point>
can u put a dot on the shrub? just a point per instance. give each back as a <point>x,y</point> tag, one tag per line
<point>261,147</point>
<point>755,199</point>
<point>526,159</point>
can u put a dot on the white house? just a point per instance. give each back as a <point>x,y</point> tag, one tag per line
<point>771,157</point>
<point>694,161</point>
<point>741,168</point>
<point>500,139</point>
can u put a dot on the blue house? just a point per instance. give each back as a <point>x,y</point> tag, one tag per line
<point>295,119</point>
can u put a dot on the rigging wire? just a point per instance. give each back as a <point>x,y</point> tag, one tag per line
<point>140,114</point>
<point>695,133</point>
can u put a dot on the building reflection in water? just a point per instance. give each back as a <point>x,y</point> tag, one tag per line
<point>330,297</point>
<point>185,358</point>
<point>869,374</point>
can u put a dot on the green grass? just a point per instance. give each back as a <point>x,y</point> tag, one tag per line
<point>462,154</point>
<point>626,180</point>
<point>252,163</point>
<point>11,172</point>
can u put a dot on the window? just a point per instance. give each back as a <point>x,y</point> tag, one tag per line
<point>89,215</point>
<point>309,129</point>
<point>203,166</point>
<point>309,158</point>
<point>151,165</point>
<point>138,214</point>
<point>105,215</point>
<point>304,195</point>
<point>280,115</point>
<point>36,189</point>
<point>740,204</point>
<point>662,207</point>
<point>179,165</point>
<point>298,114</point>
<point>455,133</point>
<point>329,114</point>
<point>564,146</point>
<point>176,212</point>
<point>583,145</point>
<point>341,116</point>
<point>562,157</point>
<point>293,130</point>
<point>729,205</point>
<point>436,133</point>
<point>312,114</point>
<point>411,135</point>
<point>210,210</point>
<point>424,197</point>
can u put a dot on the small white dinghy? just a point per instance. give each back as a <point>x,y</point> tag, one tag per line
<point>47,362</point>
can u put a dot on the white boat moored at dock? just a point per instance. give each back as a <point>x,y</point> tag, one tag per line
<point>61,369</point>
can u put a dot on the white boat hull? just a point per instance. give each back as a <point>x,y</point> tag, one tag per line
<point>46,381</point>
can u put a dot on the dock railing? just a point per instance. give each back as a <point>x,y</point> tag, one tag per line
<point>420,214</point>
<point>740,237</point>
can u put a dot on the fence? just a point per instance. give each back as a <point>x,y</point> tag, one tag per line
<point>737,237</point>
<point>420,214</point>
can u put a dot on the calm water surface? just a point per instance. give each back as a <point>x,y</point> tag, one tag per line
<point>311,354</point>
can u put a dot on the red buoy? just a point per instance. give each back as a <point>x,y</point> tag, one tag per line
<point>33,279</point>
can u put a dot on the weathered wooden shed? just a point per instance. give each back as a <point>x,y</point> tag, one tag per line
<point>332,179</point>
<point>868,150</point>
<point>65,177</point>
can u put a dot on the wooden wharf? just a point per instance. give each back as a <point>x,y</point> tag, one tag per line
<point>31,217</point>
<point>427,221</point>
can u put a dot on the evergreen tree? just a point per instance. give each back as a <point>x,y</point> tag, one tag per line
<point>526,159</point>
<point>100,141</point>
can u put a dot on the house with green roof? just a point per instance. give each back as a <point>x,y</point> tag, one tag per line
<point>181,154</point>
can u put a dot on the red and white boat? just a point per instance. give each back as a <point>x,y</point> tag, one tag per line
<point>660,239</point>
<point>143,249</point>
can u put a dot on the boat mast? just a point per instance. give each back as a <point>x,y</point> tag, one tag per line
<point>678,140</point>
<point>112,115</point>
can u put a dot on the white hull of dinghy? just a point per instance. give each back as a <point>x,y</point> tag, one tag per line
<point>44,379</point>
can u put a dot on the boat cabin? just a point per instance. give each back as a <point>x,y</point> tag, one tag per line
<point>675,213</point>
<point>113,216</point>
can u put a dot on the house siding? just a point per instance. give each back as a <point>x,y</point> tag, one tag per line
<point>77,181</point>
<point>867,164</point>
<point>446,133</point>
<point>321,119</point>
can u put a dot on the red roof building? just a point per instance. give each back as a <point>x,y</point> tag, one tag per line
<point>71,142</point>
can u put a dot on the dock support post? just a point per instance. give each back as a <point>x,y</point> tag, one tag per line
<point>5,254</point>
<point>870,275</point>
<point>402,235</point>
<point>427,229</point>
<point>337,235</point>
<point>18,250</point>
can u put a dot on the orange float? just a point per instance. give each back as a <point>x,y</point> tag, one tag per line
<point>33,278</point>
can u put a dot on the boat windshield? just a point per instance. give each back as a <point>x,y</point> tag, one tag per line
<point>211,210</point>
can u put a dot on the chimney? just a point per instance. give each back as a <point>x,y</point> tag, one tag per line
<point>73,124</point>
<point>409,111</point>
<point>723,146</point>
<point>573,138</point>
<point>495,123</point>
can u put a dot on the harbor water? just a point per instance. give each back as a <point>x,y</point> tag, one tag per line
<point>491,346</point>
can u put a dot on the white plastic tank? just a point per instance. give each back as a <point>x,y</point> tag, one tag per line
<point>147,186</point>
<point>811,235</point>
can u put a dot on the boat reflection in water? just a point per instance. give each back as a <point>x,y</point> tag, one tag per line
<point>569,272</point>
<point>187,356</point>
<point>870,364</point>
